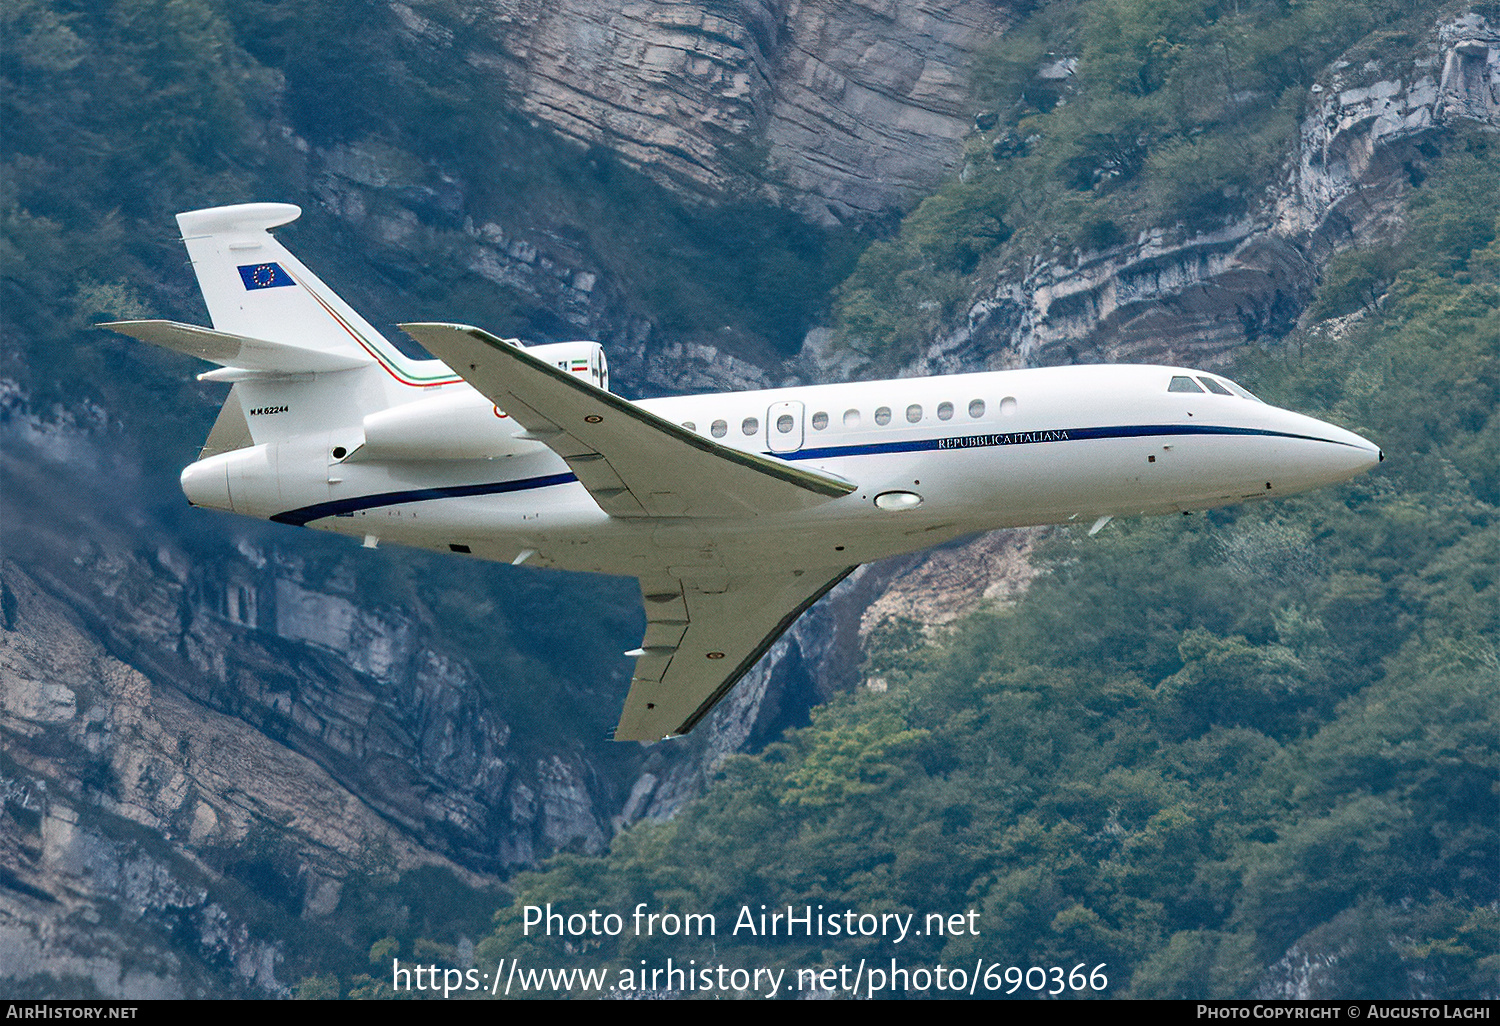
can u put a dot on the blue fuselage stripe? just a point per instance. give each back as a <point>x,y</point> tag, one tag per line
<point>354,504</point>
<point>1036,437</point>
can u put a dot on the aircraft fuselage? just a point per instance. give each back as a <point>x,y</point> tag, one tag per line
<point>950,456</point>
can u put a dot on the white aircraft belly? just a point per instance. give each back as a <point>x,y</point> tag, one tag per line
<point>963,489</point>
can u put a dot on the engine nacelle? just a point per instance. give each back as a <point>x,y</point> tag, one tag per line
<point>260,480</point>
<point>584,359</point>
<point>462,424</point>
<point>457,425</point>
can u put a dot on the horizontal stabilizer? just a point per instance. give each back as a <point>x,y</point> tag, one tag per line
<point>634,463</point>
<point>237,350</point>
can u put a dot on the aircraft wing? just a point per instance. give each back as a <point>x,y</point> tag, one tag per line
<point>699,643</point>
<point>634,463</point>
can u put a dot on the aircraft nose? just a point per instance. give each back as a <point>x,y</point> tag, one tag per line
<point>1369,459</point>
<point>1366,454</point>
<point>1343,453</point>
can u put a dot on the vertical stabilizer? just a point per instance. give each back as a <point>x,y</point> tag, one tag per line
<point>255,288</point>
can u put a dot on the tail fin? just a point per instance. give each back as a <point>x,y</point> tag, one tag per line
<point>256,289</point>
<point>279,333</point>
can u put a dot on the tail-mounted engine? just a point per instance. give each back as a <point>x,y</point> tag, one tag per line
<point>462,424</point>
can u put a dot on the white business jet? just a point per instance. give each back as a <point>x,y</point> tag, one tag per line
<point>735,511</point>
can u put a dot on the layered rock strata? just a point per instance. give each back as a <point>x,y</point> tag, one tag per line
<point>1190,298</point>
<point>838,108</point>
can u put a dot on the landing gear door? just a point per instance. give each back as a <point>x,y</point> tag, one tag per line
<point>784,426</point>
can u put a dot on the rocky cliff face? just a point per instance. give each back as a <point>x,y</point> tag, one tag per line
<point>1178,298</point>
<point>122,792</point>
<point>844,111</point>
<point>1168,296</point>
<point>361,688</point>
<point>838,108</point>
<point>179,727</point>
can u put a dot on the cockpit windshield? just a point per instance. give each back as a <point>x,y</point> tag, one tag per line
<point>1243,393</point>
<point>1218,386</point>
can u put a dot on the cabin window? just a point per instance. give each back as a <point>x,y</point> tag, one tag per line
<point>851,418</point>
<point>1008,406</point>
<point>750,425</point>
<point>718,429</point>
<point>883,416</point>
<point>1214,387</point>
<point>820,421</point>
<point>784,424</point>
<point>690,425</point>
<point>914,413</point>
<point>976,408</point>
<point>945,411</point>
<point>1183,383</point>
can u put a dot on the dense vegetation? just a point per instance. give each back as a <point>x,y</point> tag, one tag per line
<point>1151,114</point>
<point>1196,742</point>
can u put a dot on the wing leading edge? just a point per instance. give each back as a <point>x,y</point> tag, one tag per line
<point>634,463</point>
<point>699,643</point>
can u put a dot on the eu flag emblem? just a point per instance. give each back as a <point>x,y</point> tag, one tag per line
<point>264,276</point>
